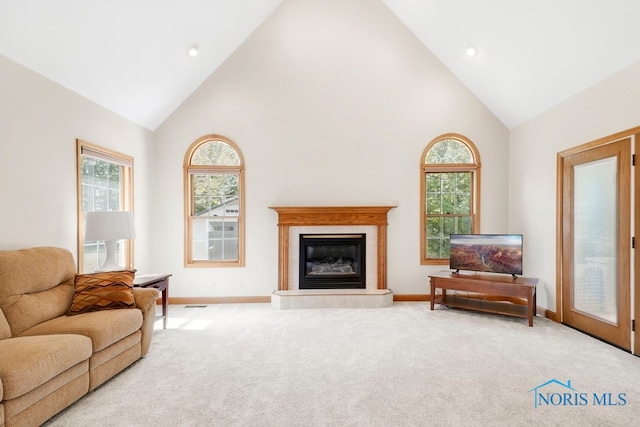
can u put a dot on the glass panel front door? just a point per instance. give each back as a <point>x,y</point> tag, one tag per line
<point>595,239</point>
<point>596,242</point>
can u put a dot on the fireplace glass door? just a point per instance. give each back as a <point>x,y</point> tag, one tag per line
<point>332,261</point>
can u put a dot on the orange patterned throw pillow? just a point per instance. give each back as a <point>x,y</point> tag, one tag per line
<point>102,291</point>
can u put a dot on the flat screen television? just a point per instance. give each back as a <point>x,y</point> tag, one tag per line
<point>491,253</point>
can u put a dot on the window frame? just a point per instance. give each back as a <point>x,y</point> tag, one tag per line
<point>425,168</point>
<point>189,170</point>
<point>126,194</point>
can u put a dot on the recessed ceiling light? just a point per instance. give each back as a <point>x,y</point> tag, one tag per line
<point>472,50</point>
<point>192,49</point>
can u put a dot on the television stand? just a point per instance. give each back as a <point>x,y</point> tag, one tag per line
<point>491,293</point>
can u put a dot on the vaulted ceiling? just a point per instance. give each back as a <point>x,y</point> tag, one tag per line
<point>130,55</point>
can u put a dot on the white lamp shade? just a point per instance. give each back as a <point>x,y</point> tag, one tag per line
<point>110,225</point>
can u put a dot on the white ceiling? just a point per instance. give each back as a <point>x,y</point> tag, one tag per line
<point>130,55</point>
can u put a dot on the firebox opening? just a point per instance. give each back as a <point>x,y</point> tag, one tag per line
<point>332,261</point>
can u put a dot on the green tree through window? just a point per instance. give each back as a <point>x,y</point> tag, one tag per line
<point>450,194</point>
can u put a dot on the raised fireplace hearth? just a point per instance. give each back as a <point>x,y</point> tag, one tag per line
<point>332,261</point>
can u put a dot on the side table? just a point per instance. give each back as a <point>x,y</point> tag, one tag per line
<point>157,281</point>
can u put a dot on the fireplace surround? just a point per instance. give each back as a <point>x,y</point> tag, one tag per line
<point>369,220</point>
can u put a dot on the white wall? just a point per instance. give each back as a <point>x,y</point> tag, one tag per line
<point>39,123</point>
<point>331,103</point>
<point>607,108</point>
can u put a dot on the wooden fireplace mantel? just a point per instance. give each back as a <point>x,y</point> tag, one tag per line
<point>292,216</point>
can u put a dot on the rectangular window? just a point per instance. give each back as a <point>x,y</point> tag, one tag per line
<point>214,216</point>
<point>104,184</point>
<point>448,209</point>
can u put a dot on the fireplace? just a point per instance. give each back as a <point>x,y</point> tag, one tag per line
<point>296,220</point>
<point>332,261</point>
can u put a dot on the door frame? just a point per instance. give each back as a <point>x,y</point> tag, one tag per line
<point>561,225</point>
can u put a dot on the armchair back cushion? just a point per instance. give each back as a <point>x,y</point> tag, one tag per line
<point>36,285</point>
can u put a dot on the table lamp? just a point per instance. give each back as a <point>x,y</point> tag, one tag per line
<point>110,227</point>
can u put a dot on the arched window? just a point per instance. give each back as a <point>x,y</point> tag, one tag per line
<point>450,195</point>
<point>214,203</point>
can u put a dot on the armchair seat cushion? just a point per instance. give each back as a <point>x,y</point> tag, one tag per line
<point>103,327</point>
<point>28,362</point>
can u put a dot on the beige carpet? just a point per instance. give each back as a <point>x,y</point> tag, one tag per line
<point>251,365</point>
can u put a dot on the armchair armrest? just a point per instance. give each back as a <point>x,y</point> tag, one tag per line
<point>145,299</point>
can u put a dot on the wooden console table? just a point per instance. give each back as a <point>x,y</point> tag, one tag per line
<point>157,281</point>
<point>500,294</point>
